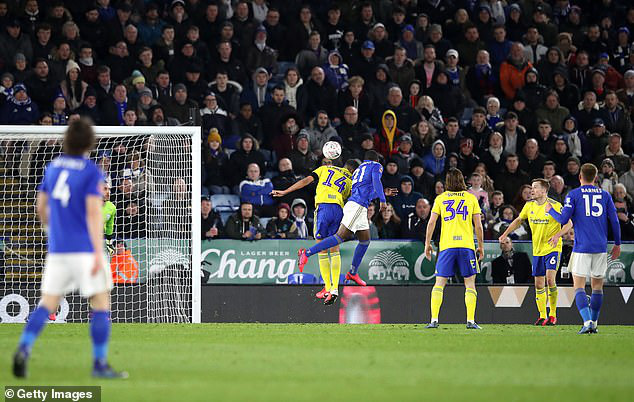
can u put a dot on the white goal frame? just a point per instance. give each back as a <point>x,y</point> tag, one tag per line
<point>11,132</point>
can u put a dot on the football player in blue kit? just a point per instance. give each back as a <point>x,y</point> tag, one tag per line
<point>69,203</point>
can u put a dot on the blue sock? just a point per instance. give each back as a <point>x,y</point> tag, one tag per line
<point>33,328</point>
<point>100,332</point>
<point>327,243</point>
<point>596,300</point>
<point>359,252</point>
<point>581,299</point>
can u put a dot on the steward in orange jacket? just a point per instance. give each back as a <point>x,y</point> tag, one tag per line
<point>124,267</point>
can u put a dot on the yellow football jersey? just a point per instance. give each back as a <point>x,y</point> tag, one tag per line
<point>333,185</point>
<point>543,226</point>
<point>456,210</point>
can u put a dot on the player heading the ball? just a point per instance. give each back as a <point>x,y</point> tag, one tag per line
<point>333,189</point>
<point>366,186</point>
<point>460,213</point>
<point>69,202</point>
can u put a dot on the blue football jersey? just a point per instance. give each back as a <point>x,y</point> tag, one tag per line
<point>590,208</point>
<point>68,180</point>
<point>366,183</point>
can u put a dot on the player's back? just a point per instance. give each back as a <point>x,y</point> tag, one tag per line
<point>68,181</point>
<point>333,186</point>
<point>456,210</point>
<point>363,188</point>
<point>592,206</point>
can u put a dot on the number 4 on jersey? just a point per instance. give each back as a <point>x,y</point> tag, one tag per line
<point>61,191</point>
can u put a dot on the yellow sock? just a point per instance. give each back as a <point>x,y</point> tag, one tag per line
<point>552,300</point>
<point>540,299</point>
<point>335,269</point>
<point>324,268</point>
<point>470,300</point>
<point>436,301</point>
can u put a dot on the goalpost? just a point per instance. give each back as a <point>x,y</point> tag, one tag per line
<point>155,178</point>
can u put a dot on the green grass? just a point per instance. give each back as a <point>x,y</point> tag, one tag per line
<point>250,362</point>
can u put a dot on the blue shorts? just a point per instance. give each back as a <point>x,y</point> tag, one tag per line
<point>452,260</point>
<point>543,262</point>
<point>327,220</point>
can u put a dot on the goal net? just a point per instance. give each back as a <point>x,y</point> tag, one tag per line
<point>153,174</point>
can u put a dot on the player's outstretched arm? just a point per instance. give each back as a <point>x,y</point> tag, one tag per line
<point>514,225</point>
<point>94,218</point>
<point>41,205</point>
<point>429,233</point>
<point>297,186</point>
<point>477,223</point>
<point>564,229</point>
<point>565,214</point>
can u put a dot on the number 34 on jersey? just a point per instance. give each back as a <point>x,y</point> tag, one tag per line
<point>457,210</point>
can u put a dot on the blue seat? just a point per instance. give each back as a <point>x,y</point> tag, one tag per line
<point>302,279</point>
<point>342,279</point>
<point>465,119</point>
<point>225,202</point>
<point>270,158</point>
<point>264,221</point>
<point>225,216</point>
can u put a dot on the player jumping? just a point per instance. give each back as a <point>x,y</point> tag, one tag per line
<point>333,188</point>
<point>460,213</point>
<point>545,256</point>
<point>70,201</point>
<point>366,186</point>
<point>590,208</point>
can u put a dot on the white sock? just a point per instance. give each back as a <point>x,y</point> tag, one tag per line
<point>587,323</point>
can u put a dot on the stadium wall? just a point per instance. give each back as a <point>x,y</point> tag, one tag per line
<point>397,305</point>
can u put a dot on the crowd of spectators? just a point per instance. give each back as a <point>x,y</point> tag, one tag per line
<point>507,91</point>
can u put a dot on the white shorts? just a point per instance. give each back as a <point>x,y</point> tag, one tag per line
<point>587,265</point>
<point>67,272</point>
<point>355,217</point>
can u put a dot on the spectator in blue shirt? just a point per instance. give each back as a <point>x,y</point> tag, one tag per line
<point>257,191</point>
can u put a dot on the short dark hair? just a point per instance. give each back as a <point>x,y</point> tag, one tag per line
<point>372,155</point>
<point>79,138</point>
<point>479,110</point>
<point>352,164</point>
<point>589,172</point>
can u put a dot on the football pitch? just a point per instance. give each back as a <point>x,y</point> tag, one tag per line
<point>296,362</point>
